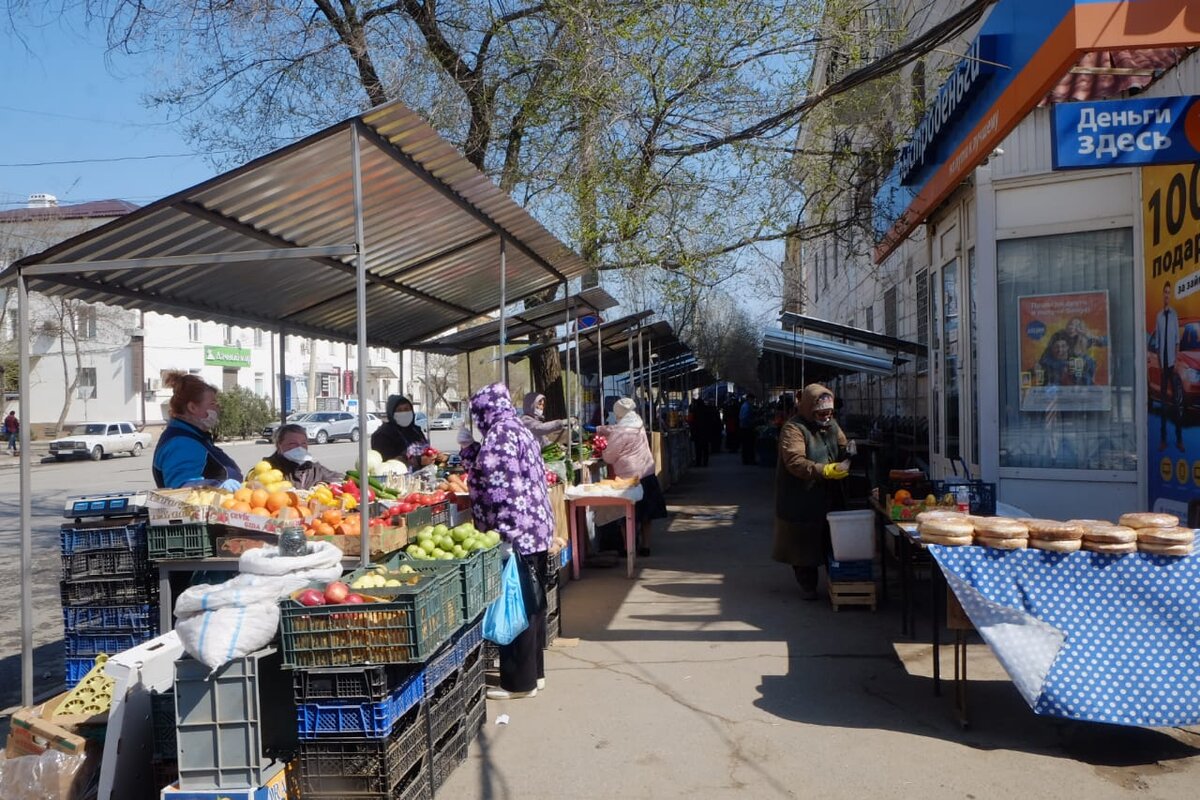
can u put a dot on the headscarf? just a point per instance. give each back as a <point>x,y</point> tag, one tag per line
<point>813,396</point>
<point>529,404</point>
<point>507,477</point>
<point>625,410</point>
<point>393,441</point>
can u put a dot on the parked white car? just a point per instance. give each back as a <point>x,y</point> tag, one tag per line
<point>95,440</point>
<point>445,421</point>
<point>325,426</point>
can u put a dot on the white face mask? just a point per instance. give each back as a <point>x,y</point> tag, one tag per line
<point>403,418</point>
<point>209,421</point>
<point>297,454</point>
<point>539,411</point>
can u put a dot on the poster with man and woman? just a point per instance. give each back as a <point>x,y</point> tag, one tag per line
<point>1064,352</point>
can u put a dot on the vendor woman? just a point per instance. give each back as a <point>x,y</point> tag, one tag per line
<point>533,417</point>
<point>291,457</point>
<point>399,437</point>
<point>186,454</point>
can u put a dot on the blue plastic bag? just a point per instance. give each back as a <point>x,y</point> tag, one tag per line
<point>505,618</point>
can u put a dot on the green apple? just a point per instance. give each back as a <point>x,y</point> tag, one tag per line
<point>440,530</point>
<point>413,549</point>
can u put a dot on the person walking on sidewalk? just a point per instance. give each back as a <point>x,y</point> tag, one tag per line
<point>12,429</point>
<point>812,459</point>
<point>746,428</point>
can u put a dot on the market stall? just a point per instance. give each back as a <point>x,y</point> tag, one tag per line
<point>374,231</point>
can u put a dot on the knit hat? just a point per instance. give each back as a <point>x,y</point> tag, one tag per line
<point>623,407</point>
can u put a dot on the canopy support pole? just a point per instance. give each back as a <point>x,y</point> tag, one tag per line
<point>26,496</point>
<point>427,401</point>
<point>282,375</point>
<point>503,312</point>
<point>566,383</point>
<point>600,361</point>
<point>364,441</point>
<point>578,377</point>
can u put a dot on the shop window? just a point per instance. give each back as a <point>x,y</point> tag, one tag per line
<point>1067,337</point>
<point>889,312</point>
<point>85,322</point>
<point>193,331</point>
<point>870,324</point>
<point>258,337</point>
<point>922,288</point>
<point>85,386</point>
<point>227,334</point>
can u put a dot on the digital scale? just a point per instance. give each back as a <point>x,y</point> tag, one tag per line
<point>107,504</point>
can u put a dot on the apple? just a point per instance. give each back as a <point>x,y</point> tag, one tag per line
<point>311,597</point>
<point>354,599</point>
<point>335,592</point>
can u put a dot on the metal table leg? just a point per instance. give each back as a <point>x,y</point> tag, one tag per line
<point>937,586</point>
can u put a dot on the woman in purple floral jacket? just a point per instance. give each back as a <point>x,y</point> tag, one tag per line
<point>507,479</point>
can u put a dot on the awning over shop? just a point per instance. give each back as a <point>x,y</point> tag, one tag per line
<point>793,322</point>
<point>839,357</point>
<point>273,243</point>
<point>521,324</point>
<point>604,332</point>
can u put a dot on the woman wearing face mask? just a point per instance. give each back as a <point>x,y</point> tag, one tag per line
<point>812,459</point>
<point>399,437</point>
<point>534,418</point>
<point>186,454</point>
<point>292,459</point>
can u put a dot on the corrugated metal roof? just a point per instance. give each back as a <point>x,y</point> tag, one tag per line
<point>842,357</point>
<point>89,210</point>
<point>433,225</point>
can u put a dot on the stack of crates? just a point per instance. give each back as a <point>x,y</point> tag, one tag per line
<point>164,763</point>
<point>851,583</point>
<point>109,595</point>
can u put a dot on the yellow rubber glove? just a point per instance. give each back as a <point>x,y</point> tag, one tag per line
<point>834,472</point>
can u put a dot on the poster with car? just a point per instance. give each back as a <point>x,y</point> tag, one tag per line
<point>1064,352</point>
<point>1171,264</point>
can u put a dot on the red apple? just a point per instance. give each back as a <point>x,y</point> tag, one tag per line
<point>354,599</point>
<point>311,597</point>
<point>335,592</point>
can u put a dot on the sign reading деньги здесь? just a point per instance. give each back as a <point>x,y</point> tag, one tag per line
<point>1124,133</point>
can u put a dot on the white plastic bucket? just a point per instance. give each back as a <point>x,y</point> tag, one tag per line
<point>852,534</point>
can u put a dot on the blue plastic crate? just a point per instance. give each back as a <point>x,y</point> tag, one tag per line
<point>109,619</point>
<point>76,668</point>
<point>863,570</point>
<point>78,645</point>
<point>80,539</point>
<point>444,663</point>
<point>373,720</point>
<point>468,639</point>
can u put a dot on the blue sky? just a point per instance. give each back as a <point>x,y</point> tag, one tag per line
<point>62,102</point>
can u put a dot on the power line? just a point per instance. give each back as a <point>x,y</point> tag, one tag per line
<point>115,158</point>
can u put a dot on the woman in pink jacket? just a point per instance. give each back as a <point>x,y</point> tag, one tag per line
<point>628,456</point>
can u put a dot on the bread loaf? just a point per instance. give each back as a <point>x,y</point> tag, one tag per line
<point>1143,519</point>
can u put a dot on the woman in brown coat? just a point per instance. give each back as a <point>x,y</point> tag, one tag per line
<point>812,453</point>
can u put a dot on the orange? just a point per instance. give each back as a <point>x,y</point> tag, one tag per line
<point>228,503</point>
<point>242,495</point>
<point>902,495</point>
<point>259,512</point>
<point>258,498</point>
<point>276,501</point>
<point>287,512</point>
<point>332,516</point>
<point>240,506</point>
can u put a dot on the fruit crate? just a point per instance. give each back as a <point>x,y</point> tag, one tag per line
<point>232,722</point>
<point>414,785</point>
<point>492,566</point>
<point>469,579</point>
<point>491,656</point>
<point>862,570</point>
<point>104,564</point>
<point>553,628</point>
<point>441,665</point>
<point>439,514</point>
<point>162,718</point>
<point>164,772</point>
<point>110,619</point>
<point>445,706</point>
<point>77,668</point>
<point>418,518</point>
<point>475,718</point>
<point>358,767</point>
<point>350,684</point>
<point>551,600</point>
<point>84,537</point>
<point>80,645</point>
<point>982,494</point>
<point>179,542</point>
<point>119,592</point>
<point>407,628</point>
<point>371,720</point>
<point>449,751</point>
<point>474,683</point>
<point>469,637</point>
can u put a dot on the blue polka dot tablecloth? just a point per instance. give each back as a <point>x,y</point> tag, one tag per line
<point>1088,636</point>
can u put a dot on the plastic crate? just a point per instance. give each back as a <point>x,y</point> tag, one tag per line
<point>104,564</point>
<point>77,668</point>
<point>449,751</point>
<point>982,494</point>
<point>553,628</point>
<point>445,706</point>
<point>475,717</point>
<point>469,577</point>
<point>162,717</point>
<point>108,619</point>
<point>491,656</point>
<point>409,627</point>
<point>358,767</point>
<point>350,684</point>
<point>469,637</point>
<point>81,645</point>
<point>165,771</point>
<point>371,720</point>
<point>440,666</point>
<point>439,514</point>
<point>863,570</point>
<point>82,538</point>
<point>414,785</point>
<point>232,723</point>
<point>551,599</point>
<point>492,566</point>
<point>474,682</point>
<point>179,542</point>
<point>118,592</point>
<point>418,518</point>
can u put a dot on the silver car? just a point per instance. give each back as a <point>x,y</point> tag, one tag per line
<point>268,431</point>
<point>445,421</point>
<point>326,426</point>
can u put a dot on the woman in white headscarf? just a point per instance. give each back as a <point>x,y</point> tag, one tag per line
<point>628,456</point>
<point>533,417</point>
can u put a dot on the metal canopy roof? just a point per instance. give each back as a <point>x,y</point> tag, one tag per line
<point>613,347</point>
<point>520,324</point>
<point>606,329</point>
<point>792,321</point>
<point>272,243</point>
<point>840,356</point>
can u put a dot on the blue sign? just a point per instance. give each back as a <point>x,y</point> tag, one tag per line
<point>1124,133</point>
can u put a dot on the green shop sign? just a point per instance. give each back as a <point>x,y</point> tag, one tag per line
<point>218,356</point>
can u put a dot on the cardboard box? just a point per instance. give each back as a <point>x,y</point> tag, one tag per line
<point>167,507</point>
<point>383,539</point>
<point>281,785</point>
<point>33,732</point>
<point>245,521</point>
<point>234,542</point>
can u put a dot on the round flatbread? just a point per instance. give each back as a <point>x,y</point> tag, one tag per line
<point>1110,534</point>
<point>949,541</point>
<point>946,526</point>
<point>1142,519</point>
<point>939,513</point>
<point>1001,543</point>
<point>1054,531</point>
<point>1165,549</point>
<point>1166,535</point>
<point>1056,545</point>
<point>1090,523</point>
<point>1110,547</point>
<point>1000,528</point>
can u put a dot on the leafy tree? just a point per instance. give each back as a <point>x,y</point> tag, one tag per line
<point>243,414</point>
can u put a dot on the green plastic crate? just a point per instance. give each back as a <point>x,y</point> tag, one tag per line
<point>178,542</point>
<point>468,576</point>
<point>493,564</point>
<point>408,626</point>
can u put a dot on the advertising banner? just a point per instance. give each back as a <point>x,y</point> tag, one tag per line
<point>1123,133</point>
<point>216,355</point>
<point>1171,237</point>
<point>1064,352</point>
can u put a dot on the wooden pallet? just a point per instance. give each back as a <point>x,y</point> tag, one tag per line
<point>852,593</point>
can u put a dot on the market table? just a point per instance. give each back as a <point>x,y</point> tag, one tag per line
<point>580,497</point>
<point>908,544</point>
<point>1088,636</point>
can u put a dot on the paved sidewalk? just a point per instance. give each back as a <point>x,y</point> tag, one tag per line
<point>707,677</point>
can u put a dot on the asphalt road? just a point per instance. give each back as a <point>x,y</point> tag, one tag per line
<point>52,484</point>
